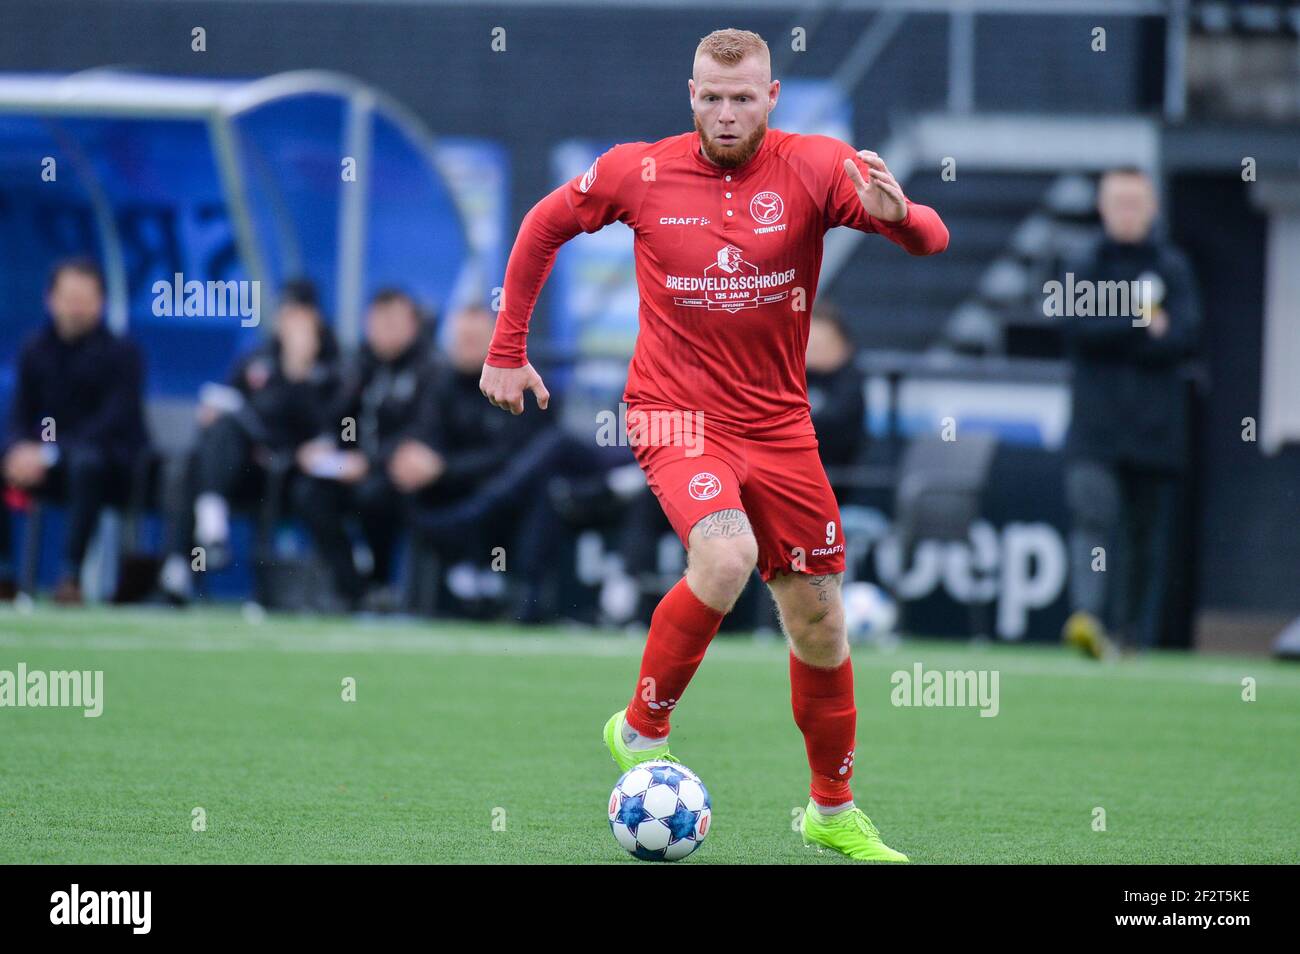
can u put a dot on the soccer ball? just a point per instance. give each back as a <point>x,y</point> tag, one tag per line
<point>660,811</point>
<point>870,613</point>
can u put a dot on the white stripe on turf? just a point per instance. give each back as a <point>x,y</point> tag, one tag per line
<point>230,633</point>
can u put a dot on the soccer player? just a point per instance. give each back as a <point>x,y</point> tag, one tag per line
<point>728,224</point>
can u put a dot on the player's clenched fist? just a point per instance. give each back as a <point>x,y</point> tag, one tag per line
<point>881,194</point>
<point>505,387</point>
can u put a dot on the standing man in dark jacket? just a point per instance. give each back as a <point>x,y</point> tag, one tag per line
<point>77,422</point>
<point>384,390</point>
<point>1127,447</point>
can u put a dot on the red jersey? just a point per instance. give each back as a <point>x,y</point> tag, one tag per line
<point>727,262</point>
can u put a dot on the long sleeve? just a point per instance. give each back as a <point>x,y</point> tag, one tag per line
<point>547,226</point>
<point>921,232</point>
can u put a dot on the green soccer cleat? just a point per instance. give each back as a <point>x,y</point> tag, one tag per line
<point>1085,633</point>
<point>624,757</point>
<point>849,832</point>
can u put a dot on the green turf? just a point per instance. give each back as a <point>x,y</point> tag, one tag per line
<point>455,726</point>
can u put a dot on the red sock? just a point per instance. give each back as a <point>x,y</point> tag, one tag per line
<point>827,716</point>
<point>680,631</point>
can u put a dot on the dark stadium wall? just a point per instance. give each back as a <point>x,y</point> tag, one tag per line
<point>1248,505</point>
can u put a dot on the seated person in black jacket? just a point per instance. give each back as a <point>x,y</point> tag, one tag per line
<point>76,424</point>
<point>383,391</point>
<point>484,474</point>
<point>274,402</point>
<point>835,391</point>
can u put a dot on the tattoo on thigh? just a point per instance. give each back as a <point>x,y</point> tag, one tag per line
<point>725,523</point>
<point>825,585</point>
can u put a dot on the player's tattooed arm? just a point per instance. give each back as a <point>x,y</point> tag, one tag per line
<point>725,523</point>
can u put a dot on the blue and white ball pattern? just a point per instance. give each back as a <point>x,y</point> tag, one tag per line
<point>660,811</point>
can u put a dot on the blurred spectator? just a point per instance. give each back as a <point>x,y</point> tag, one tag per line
<point>1128,435</point>
<point>490,489</point>
<point>274,402</point>
<point>76,425</point>
<point>369,466</point>
<point>835,390</point>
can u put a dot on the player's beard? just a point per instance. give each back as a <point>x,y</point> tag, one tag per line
<point>730,157</point>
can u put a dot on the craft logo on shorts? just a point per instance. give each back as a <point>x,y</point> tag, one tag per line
<point>588,178</point>
<point>704,486</point>
<point>766,208</point>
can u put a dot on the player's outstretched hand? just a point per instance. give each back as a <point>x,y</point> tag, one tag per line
<point>881,194</point>
<point>505,387</point>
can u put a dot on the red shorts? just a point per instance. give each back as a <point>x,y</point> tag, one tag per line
<point>779,483</point>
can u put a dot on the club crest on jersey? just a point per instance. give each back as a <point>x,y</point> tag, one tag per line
<point>730,284</point>
<point>588,177</point>
<point>704,486</point>
<point>766,208</point>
